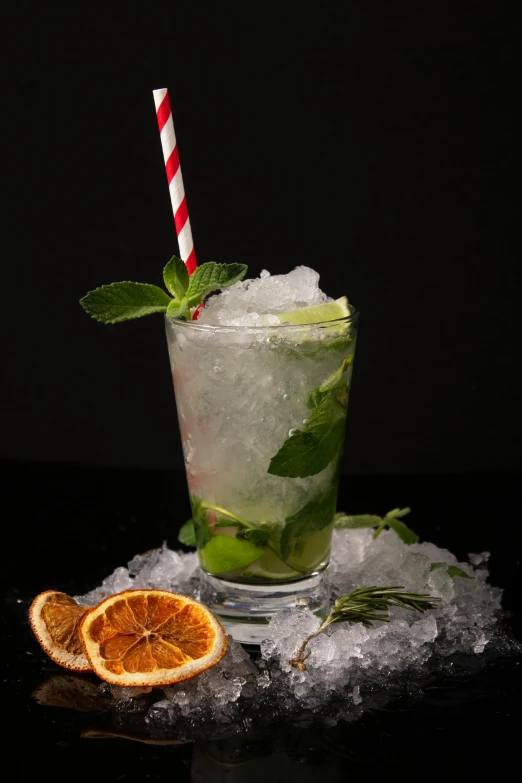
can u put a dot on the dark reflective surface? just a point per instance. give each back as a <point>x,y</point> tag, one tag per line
<point>67,528</point>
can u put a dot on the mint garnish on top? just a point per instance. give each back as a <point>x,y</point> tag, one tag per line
<point>123,301</point>
<point>176,277</point>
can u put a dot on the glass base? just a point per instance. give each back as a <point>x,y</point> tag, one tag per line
<point>245,610</point>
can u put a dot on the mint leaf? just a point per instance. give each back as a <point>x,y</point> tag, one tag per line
<point>176,277</point>
<point>210,277</point>
<point>331,383</point>
<point>309,451</point>
<point>187,533</point>
<point>312,517</point>
<point>177,307</point>
<point>453,571</point>
<point>258,536</point>
<point>117,302</point>
<point>397,513</point>
<point>199,516</point>
<point>346,522</point>
<point>404,532</point>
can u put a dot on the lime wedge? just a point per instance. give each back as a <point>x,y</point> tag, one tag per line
<point>223,553</point>
<point>316,314</point>
<point>270,566</point>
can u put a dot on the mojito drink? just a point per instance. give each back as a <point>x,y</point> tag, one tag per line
<point>261,382</point>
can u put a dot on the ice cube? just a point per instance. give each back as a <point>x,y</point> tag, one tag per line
<point>161,569</point>
<point>423,630</point>
<point>440,584</point>
<point>254,302</point>
<point>478,559</point>
<point>414,571</point>
<point>116,582</point>
<point>285,633</point>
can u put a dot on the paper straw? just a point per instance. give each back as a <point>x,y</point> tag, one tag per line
<point>174,178</point>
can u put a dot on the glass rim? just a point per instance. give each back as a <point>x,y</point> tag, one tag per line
<point>347,319</point>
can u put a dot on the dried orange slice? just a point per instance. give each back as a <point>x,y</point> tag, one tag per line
<point>55,619</point>
<point>151,637</point>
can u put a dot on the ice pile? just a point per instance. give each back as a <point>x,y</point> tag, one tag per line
<point>214,693</point>
<point>465,620</point>
<point>161,568</point>
<point>253,302</point>
<point>350,668</point>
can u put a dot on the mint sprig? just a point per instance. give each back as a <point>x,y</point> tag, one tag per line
<point>310,450</point>
<point>391,520</point>
<point>124,301</point>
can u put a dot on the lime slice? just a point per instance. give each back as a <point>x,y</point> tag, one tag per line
<point>316,314</point>
<point>270,566</point>
<point>223,553</point>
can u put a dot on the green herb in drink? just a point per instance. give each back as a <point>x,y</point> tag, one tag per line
<point>314,516</point>
<point>311,518</point>
<point>310,450</point>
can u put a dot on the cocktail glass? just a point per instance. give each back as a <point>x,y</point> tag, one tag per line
<point>262,416</point>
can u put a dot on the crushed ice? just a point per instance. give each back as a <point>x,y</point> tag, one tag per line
<point>254,302</point>
<point>350,667</point>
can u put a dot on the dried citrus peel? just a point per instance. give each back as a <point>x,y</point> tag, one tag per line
<point>151,637</point>
<point>55,619</point>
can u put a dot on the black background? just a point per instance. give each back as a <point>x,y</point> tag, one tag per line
<point>372,141</point>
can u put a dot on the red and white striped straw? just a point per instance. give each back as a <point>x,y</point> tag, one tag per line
<point>174,178</point>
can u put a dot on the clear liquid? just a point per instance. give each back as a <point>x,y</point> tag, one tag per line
<point>240,394</point>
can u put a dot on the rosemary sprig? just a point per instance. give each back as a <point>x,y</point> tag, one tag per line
<point>366,605</point>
